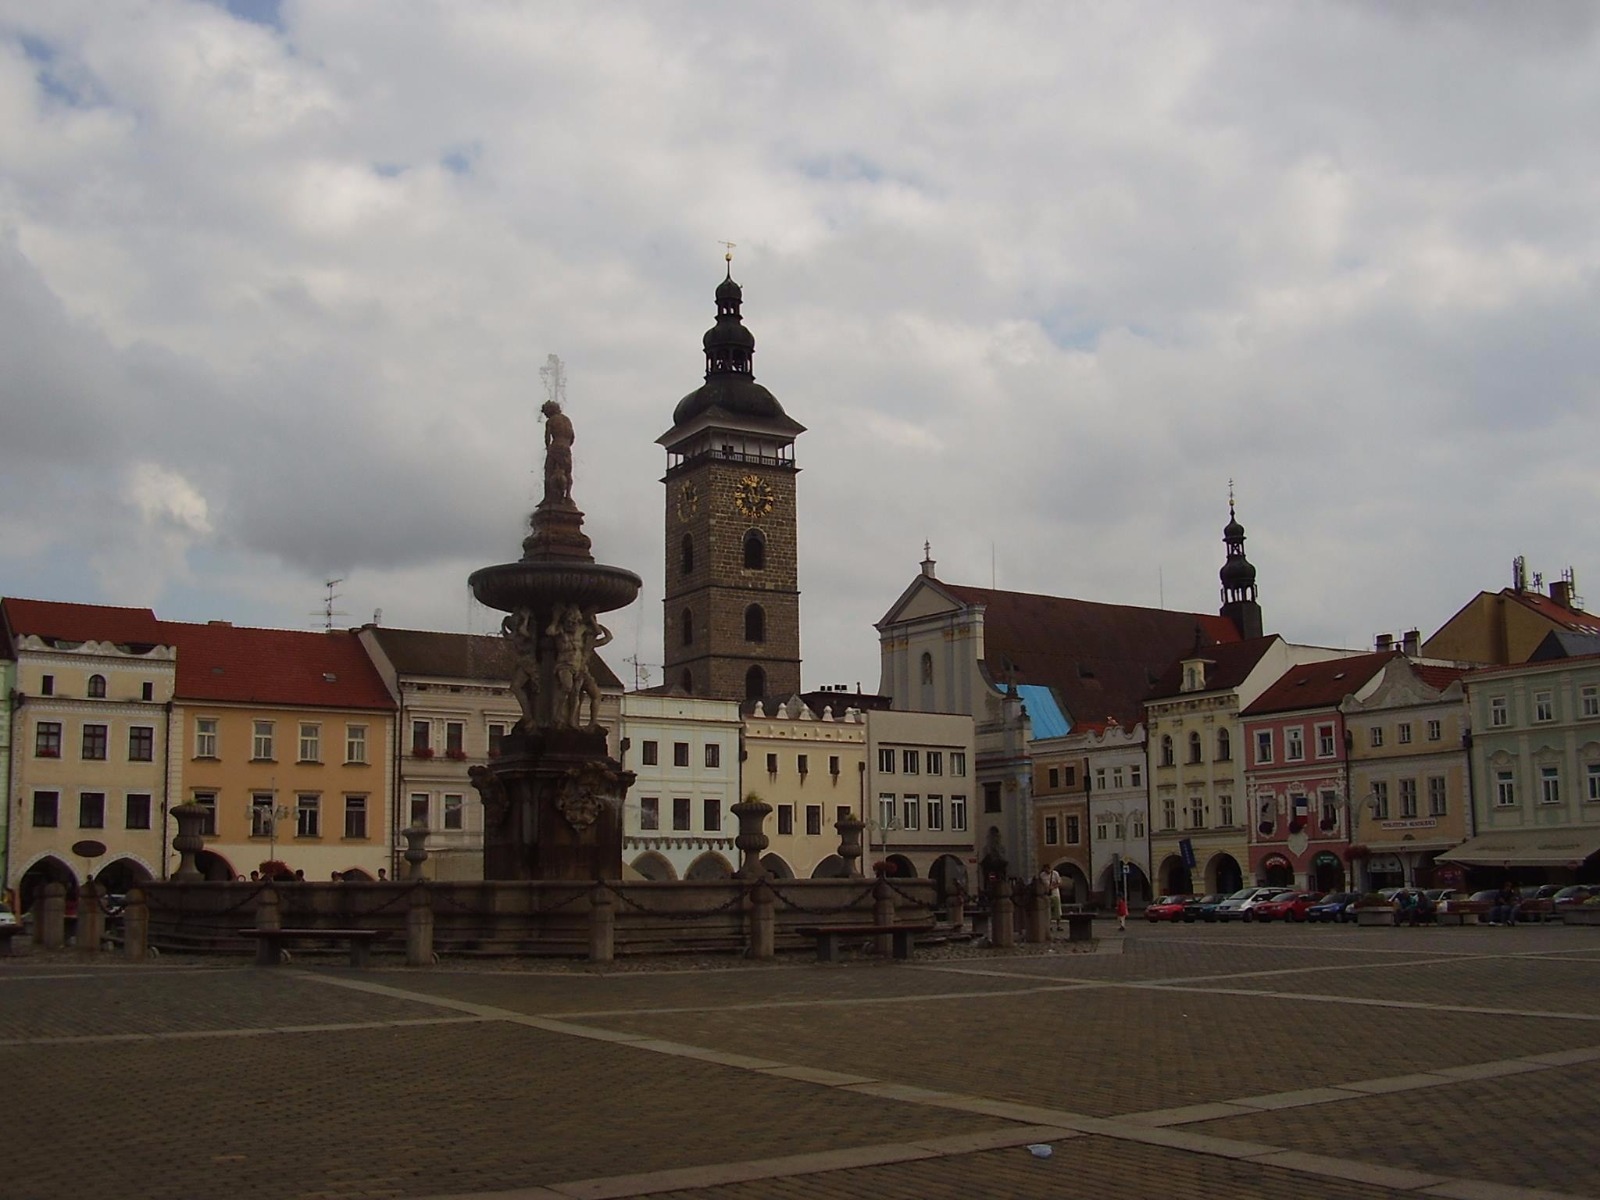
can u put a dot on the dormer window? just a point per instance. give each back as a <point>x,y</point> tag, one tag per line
<point>1194,675</point>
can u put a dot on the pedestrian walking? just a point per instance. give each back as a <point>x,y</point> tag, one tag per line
<point>1050,884</point>
<point>1122,913</point>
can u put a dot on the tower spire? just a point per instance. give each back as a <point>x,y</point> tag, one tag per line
<point>1238,577</point>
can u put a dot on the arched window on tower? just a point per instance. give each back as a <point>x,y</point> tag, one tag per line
<point>755,551</point>
<point>688,555</point>
<point>97,687</point>
<point>686,682</point>
<point>755,624</point>
<point>927,667</point>
<point>755,683</point>
<point>688,628</point>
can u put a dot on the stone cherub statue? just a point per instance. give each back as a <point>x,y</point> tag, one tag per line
<point>577,636</point>
<point>558,438</point>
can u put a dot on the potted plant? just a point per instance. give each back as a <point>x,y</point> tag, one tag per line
<point>1373,909</point>
<point>1587,913</point>
<point>422,751</point>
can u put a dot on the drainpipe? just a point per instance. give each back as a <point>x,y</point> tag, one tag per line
<point>14,783</point>
<point>394,788</point>
<point>166,786</point>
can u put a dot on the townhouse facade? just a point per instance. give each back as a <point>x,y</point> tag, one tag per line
<point>677,820</point>
<point>7,694</point>
<point>813,771</point>
<point>919,789</point>
<point>1116,767</point>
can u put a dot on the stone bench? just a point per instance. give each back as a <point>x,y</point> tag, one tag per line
<point>829,936</point>
<point>1080,926</point>
<point>1450,917</point>
<point>271,944</point>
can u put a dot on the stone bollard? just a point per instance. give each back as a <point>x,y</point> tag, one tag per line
<point>958,910</point>
<point>1038,915</point>
<point>763,923</point>
<point>136,927</point>
<point>91,928</point>
<point>419,929</point>
<point>50,926</point>
<point>883,914</point>
<point>269,910</point>
<point>1002,918</point>
<point>602,925</point>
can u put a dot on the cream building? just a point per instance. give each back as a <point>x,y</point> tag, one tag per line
<point>919,789</point>
<point>813,771</point>
<point>677,819</point>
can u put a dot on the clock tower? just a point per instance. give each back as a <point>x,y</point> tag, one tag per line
<point>732,619</point>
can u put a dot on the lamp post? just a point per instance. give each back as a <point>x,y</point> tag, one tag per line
<point>270,815</point>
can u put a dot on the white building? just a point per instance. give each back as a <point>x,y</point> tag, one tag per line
<point>677,820</point>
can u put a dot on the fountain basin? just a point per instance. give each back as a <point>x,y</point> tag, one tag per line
<point>593,587</point>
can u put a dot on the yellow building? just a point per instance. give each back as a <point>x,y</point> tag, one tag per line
<point>287,738</point>
<point>1505,627</point>
<point>812,770</point>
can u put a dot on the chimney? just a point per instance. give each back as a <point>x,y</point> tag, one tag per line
<point>1561,592</point>
<point>1385,642</point>
<point>1411,642</point>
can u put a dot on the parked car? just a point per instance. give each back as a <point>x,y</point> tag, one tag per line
<point>1203,908</point>
<point>1569,897</point>
<point>1286,906</point>
<point>1442,898</point>
<point>1241,905</point>
<point>1165,908</point>
<point>7,917</point>
<point>1538,903</point>
<point>1334,907</point>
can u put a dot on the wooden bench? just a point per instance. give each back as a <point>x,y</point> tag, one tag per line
<point>271,943</point>
<point>7,932</point>
<point>828,937</point>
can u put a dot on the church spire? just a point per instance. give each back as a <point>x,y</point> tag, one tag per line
<point>729,346</point>
<point>1238,578</point>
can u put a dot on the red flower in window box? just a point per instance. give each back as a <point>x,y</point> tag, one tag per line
<point>1297,824</point>
<point>458,755</point>
<point>422,752</point>
<point>48,754</point>
<point>1354,852</point>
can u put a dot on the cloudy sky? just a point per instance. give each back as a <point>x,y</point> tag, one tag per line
<point>277,278</point>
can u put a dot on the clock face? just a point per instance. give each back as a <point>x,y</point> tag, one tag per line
<point>688,501</point>
<point>752,497</point>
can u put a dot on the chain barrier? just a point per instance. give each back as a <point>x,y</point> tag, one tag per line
<point>815,911</point>
<point>698,914</point>
<point>919,901</point>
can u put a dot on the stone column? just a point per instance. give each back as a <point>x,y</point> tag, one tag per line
<point>191,819</point>
<point>1002,915</point>
<point>416,850</point>
<point>91,919</point>
<point>50,923</point>
<point>135,926</point>
<point>1038,914</point>
<point>752,813</point>
<point>849,828</point>
<point>419,929</point>
<point>763,922</point>
<point>883,914</point>
<point>269,911</point>
<point>602,925</point>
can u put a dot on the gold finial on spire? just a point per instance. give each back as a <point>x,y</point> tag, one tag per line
<point>727,256</point>
<point>1230,497</point>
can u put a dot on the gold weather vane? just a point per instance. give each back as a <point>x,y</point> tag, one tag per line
<point>727,256</point>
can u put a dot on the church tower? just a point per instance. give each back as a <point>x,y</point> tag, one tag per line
<point>1239,579</point>
<point>732,619</point>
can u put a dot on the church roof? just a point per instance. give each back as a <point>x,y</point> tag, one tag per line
<point>1228,666</point>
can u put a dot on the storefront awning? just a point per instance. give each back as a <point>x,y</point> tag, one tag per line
<point>1527,848</point>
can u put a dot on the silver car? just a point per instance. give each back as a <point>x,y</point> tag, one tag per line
<point>1237,906</point>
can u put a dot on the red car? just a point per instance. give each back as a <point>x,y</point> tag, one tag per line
<point>1286,906</point>
<point>1166,908</point>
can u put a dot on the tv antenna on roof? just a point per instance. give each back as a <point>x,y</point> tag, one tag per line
<point>329,612</point>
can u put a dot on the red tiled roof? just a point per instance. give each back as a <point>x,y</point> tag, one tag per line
<point>1437,677</point>
<point>1574,619</point>
<point>464,656</point>
<point>1100,659</point>
<point>84,622</point>
<point>1319,684</point>
<point>240,665</point>
<point>1229,666</point>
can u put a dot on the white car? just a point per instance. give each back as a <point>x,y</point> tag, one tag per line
<point>1237,906</point>
<point>7,917</point>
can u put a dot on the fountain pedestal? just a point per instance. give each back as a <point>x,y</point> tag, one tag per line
<point>557,807</point>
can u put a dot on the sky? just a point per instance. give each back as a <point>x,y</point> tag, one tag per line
<point>277,278</point>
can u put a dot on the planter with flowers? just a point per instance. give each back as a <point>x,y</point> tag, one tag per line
<point>1373,909</point>
<point>422,752</point>
<point>456,755</point>
<point>1587,913</point>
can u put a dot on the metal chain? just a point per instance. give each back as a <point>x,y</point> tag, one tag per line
<point>697,915</point>
<point>793,906</point>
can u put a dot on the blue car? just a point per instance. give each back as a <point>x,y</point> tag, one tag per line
<point>1338,906</point>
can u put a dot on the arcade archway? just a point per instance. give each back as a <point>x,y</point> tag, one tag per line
<point>1223,874</point>
<point>655,867</point>
<point>1174,877</point>
<point>709,866</point>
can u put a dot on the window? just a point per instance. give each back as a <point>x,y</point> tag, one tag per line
<point>1072,831</point>
<point>422,738</point>
<point>1408,799</point>
<point>47,685</point>
<point>927,668</point>
<point>455,739</point>
<point>886,762</point>
<point>648,754</point>
<point>207,801</point>
<point>958,762</point>
<point>97,687</point>
<point>1116,777</point>
<point>936,813</point>
<point>1197,812</point>
<point>1225,809</point>
<point>261,815</point>
<point>142,743</point>
<point>1169,813</point>
<point>497,735</point>
<point>1069,776</point>
<point>802,763</point>
<point>91,810</point>
<point>886,807</point>
<point>680,754</point>
<point>991,797</point>
<point>755,551</point>
<point>713,815</point>
<point>686,624</point>
<point>1325,743</point>
<point>355,816</point>
<point>1264,746</point>
<point>910,811</point>
<point>45,808</point>
<point>1294,748</point>
<point>755,624</point>
<point>147,691</point>
<point>1375,736</point>
<point>1054,776</point>
<point>1196,753</point>
<point>1330,811</point>
<point>814,820</point>
<point>1544,707</point>
<point>1224,746</point>
<point>310,742</point>
<point>909,762</point>
<point>1380,800</point>
<point>308,816</point>
<point>94,743</point>
<point>1593,772</point>
<point>786,818</point>
<point>1437,805</point>
<point>686,555</point>
<point>1099,779</point>
<point>1052,831</point>
<point>958,813</point>
<point>1136,775</point>
<point>1166,750</point>
<point>1402,733</point>
<point>355,744</point>
<point>261,743</point>
<point>680,813</point>
<point>1136,830</point>
<point>1589,700</point>
<point>420,805</point>
<point>47,739</point>
<point>454,810</point>
<point>935,762</point>
<point>1498,713</point>
<point>1550,785</point>
<point>1435,731</point>
<point>137,811</point>
<point>1100,832</point>
<point>713,754</point>
<point>650,812</point>
<point>772,764</point>
<point>1505,790</point>
<point>833,764</point>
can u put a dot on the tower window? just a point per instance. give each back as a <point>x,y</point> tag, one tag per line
<point>755,624</point>
<point>686,682</point>
<point>755,683</point>
<point>927,667</point>
<point>688,628</point>
<point>755,551</point>
<point>688,554</point>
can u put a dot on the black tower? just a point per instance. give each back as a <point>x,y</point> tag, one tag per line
<point>1238,579</point>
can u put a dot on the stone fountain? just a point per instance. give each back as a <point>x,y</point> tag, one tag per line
<point>552,798</point>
